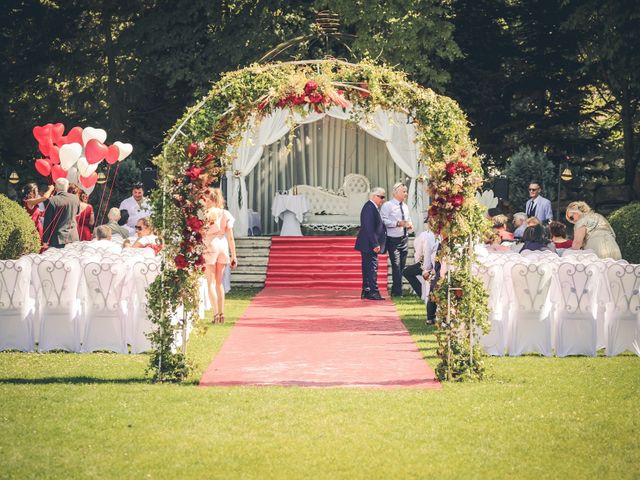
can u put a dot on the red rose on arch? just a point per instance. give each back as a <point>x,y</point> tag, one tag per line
<point>194,172</point>
<point>316,97</point>
<point>298,100</point>
<point>192,149</point>
<point>433,211</point>
<point>194,223</point>
<point>457,200</point>
<point>181,262</point>
<point>451,169</point>
<point>310,87</point>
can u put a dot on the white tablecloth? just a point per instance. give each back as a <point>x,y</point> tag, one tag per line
<point>291,209</point>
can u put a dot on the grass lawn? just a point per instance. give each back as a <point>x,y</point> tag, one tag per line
<point>96,416</point>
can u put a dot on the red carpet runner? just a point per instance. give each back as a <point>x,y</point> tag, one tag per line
<point>318,262</point>
<point>308,327</point>
<point>315,337</point>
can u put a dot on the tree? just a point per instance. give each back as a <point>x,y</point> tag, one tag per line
<point>609,35</point>
<point>519,80</point>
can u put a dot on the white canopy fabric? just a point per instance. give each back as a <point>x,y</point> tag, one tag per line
<point>390,127</point>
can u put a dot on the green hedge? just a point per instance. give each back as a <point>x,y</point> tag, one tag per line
<point>18,234</point>
<point>625,222</point>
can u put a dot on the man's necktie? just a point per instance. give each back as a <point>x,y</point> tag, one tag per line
<point>404,229</point>
<point>532,209</point>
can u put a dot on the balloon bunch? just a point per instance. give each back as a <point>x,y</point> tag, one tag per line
<point>77,155</point>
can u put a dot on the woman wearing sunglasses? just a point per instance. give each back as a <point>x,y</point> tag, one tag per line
<point>146,237</point>
<point>591,231</point>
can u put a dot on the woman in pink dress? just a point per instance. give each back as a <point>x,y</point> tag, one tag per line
<point>31,199</point>
<point>85,219</point>
<point>220,249</point>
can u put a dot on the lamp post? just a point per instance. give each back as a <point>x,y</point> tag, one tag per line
<point>11,179</point>
<point>564,175</point>
<point>14,178</point>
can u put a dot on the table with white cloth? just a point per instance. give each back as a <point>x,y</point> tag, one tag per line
<point>569,305</point>
<point>291,209</point>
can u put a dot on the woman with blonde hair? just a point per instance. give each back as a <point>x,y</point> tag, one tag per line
<point>220,249</point>
<point>592,231</point>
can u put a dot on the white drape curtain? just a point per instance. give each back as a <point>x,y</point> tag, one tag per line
<point>321,153</point>
<point>389,127</point>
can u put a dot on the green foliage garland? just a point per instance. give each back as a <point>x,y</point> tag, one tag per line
<point>196,154</point>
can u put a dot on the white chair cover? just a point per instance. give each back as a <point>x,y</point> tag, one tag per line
<point>104,315</point>
<point>17,308</point>
<point>59,304</point>
<point>144,273</point>
<point>576,309</point>
<point>622,329</point>
<point>530,315</point>
<point>495,342</point>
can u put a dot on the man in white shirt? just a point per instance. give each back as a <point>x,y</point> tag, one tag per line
<point>137,206</point>
<point>396,219</point>
<point>537,205</point>
<point>425,246</point>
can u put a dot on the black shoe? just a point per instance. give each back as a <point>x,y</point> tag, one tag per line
<point>363,294</point>
<point>374,296</point>
<point>431,321</point>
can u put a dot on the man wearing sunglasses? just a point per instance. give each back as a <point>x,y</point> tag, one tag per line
<point>370,242</point>
<point>538,206</point>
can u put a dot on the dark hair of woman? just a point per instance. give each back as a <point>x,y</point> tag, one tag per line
<point>536,233</point>
<point>28,189</point>
<point>558,229</point>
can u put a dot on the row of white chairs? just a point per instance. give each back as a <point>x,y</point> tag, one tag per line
<point>574,305</point>
<point>78,301</point>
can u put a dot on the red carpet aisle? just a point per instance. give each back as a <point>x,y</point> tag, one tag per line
<point>319,338</point>
<point>319,262</point>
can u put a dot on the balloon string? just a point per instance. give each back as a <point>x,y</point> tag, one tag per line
<point>53,225</point>
<point>115,174</point>
<point>104,189</point>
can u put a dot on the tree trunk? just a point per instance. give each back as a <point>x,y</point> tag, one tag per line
<point>115,120</point>
<point>630,159</point>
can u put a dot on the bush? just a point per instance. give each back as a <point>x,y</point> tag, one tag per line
<point>526,166</point>
<point>625,223</point>
<point>18,234</point>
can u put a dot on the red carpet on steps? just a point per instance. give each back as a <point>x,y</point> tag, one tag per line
<point>314,337</point>
<point>318,262</point>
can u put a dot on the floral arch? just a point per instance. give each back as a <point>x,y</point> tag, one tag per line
<point>205,142</point>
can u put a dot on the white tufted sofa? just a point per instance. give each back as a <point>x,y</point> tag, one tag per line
<point>335,210</point>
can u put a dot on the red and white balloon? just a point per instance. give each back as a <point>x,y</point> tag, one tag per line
<point>77,155</point>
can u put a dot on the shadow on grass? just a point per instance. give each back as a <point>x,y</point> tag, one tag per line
<point>72,380</point>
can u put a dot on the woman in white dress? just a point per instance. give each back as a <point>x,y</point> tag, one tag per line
<point>591,231</point>
<point>220,249</point>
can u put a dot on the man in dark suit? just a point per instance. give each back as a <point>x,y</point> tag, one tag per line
<point>370,242</point>
<point>60,216</point>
